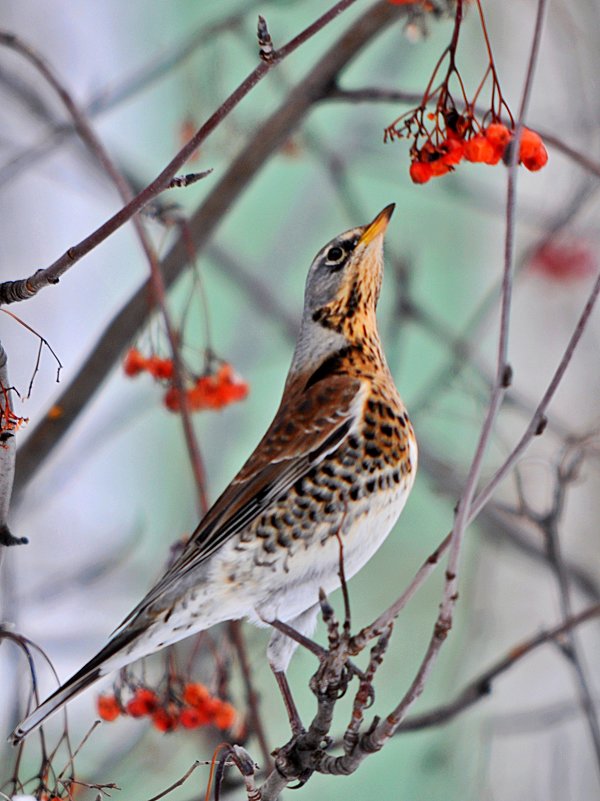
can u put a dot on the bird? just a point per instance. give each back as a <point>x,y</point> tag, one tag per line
<point>336,465</point>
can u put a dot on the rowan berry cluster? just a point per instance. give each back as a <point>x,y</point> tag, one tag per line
<point>191,707</point>
<point>159,368</point>
<point>446,131</point>
<point>214,389</point>
<point>489,146</point>
<point>563,261</point>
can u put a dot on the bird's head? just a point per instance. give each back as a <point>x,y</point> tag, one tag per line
<point>342,290</point>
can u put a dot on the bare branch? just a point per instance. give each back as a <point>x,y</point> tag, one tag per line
<point>566,472</point>
<point>178,783</point>
<point>12,291</point>
<point>261,145</point>
<point>481,686</point>
<point>93,143</point>
<point>464,511</point>
<point>536,425</point>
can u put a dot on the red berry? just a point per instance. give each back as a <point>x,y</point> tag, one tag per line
<point>144,702</point>
<point>439,167</point>
<point>564,261</point>
<point>530,142</point>
<point>172,399</point>
<point>195,694</point>
<point>497,135</point>
<point>478,149</point>
<point>538,160</point>
<point>108,707</point>
<point>211,706</point>
<point>225,715</point>
<point>453,151</point>
<point>134,362</point>
<point>420,172</point>
<point>165,719</point>
<point>532,153</point>
<point>191,718</point>
<point>160,368</point>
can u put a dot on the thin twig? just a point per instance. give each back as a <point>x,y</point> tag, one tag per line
<point>473,692</point>
<point>252,697</point>
<point>110,97</point>
<point>261,145</point>
<point>12,291</point>
<point>484,495</point>
<point>464,511</point>
<point>43,342</point>
<point>377,94</point>
<point>537,422</point>
<point>178,783</point>
<point>97,149</point>
<point>567,472</point>
<point>481,686</point>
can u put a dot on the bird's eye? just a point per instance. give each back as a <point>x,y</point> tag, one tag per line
<point>335,254</point>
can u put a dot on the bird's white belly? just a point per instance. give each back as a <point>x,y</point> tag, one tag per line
<point>295,589</point>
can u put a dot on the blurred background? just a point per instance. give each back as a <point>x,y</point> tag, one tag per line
<point>102,510</point>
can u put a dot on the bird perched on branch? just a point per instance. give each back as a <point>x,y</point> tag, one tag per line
<point>335,466</point>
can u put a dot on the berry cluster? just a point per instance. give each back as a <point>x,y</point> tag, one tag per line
<point>445,131</point>
<point>563,261</point>
<point>135,363</point>
<point>212,390</point>
<point>191,708</point>
<point>489,146</point>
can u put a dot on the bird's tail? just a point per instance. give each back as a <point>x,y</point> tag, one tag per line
<point>115,654</point>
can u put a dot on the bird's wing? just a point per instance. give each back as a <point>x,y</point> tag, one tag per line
<point>310,423</point>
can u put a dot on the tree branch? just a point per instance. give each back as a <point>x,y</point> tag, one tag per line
<point>265,141</point>
<point>23,289</point>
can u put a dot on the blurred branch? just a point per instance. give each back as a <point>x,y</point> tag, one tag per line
<point>261,145</point>
<point>179,782</point>
<point>373,94</point>
<point>534,719</point>
<point>107,98</point>
<point>538,421</point>
<point>97,149</point>
<point>575,155</point>
<point>23,289</point>
<point>252,698</point>
<point>481,686</point>
<point>501,521</point>
<point>476,504</point>
<point>566,472</point>
<point>259,293</point>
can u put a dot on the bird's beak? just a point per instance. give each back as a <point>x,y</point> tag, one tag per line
<point>378,226</point>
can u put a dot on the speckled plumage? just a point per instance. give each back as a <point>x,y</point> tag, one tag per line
<point>338,459</point>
